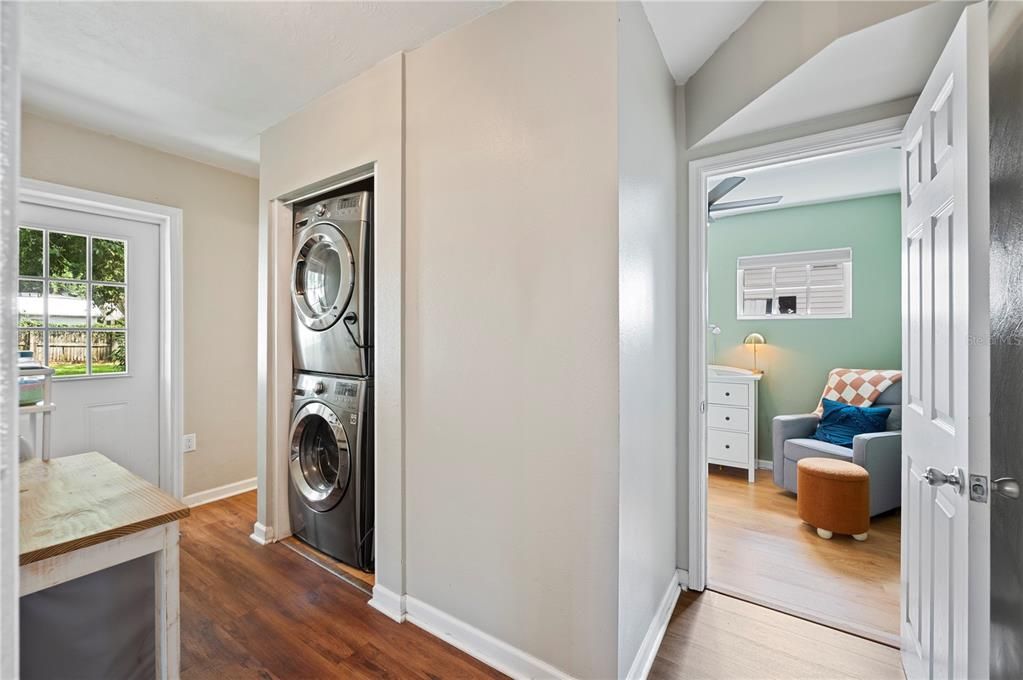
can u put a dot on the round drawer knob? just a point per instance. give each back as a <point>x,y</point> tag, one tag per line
<point>728,446</point>
<point>728,417</point>
<point>728,394</point>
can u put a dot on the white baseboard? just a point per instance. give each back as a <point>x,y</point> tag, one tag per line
<point>683,578</point>
<point>647,652</point>
<point>261,535</point>
<point>219,493</point>
<point>388,603</point>
<point>765,464</point>
<point>495,653</point>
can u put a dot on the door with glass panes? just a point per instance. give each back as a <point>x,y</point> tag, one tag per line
<point>89,307</point>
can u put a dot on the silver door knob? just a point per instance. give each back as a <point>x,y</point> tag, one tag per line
<point>936,477</point>
<point>1007,487</point>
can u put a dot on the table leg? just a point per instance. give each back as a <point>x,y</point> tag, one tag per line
<point>168,631</point>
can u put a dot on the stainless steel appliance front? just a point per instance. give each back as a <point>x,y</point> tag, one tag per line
<point>330,495</point>
<point>331,286</point>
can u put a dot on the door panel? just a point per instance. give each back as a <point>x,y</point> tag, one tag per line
<point>116,409</point>
<point>946,363</point>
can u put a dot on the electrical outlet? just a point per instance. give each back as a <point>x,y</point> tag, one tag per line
<point>189,442</point>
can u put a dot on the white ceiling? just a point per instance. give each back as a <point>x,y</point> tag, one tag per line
<point>203,80</point>
<point>818,180</point>
<point>887,61</point>
<point>689,32</point>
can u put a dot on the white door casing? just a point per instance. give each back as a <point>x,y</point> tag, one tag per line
<point>946,320</point>
<point>884,133</point>
<point>165,302</point>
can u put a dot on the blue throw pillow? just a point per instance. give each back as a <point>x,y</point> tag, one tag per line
<point>841,422</point>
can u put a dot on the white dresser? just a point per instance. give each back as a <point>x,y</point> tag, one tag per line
<point>732,417</point>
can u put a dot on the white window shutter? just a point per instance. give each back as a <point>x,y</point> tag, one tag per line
<point>808,284</point>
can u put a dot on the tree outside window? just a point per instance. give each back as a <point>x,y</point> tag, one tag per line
<point>73,301</point>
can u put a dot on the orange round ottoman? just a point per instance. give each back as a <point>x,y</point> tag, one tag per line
<point>833,496</point>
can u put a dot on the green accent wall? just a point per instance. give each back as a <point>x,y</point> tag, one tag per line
<point>800,352</point>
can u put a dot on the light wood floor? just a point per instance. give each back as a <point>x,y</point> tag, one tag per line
<point>760,550</point>
<point>715,636</point>
<point>252,611</point>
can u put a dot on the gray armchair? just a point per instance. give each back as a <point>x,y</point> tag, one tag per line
<point>879,452</point>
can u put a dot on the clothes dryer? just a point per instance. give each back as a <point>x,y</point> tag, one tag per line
<point>331,286</point>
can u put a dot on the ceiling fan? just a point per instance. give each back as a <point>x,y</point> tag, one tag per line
<point>715,195</point>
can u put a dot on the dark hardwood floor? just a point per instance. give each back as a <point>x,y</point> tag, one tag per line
<point>353,576</point>
<point>251,611</point>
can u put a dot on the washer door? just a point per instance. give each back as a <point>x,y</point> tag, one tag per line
<point>321,462</point>
<point>322,275</point>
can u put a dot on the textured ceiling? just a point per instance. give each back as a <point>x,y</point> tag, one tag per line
<point>204,79</point>
<point>689,32</point>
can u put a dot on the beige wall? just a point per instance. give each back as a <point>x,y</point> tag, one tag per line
<point>219,269</point>
<point>512,338</point>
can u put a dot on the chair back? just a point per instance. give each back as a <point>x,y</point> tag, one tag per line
<point>892,398</point>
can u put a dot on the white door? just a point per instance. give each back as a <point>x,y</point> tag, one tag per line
<point>89,306</point>
<point>946,320</point>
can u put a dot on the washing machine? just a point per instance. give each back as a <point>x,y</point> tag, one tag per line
<point>330,495</point>
<point>332,285</point>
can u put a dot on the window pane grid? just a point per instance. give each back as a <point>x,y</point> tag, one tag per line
<point>90,336</point>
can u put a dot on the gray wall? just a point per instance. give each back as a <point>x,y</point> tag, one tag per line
<point>647,311</point>
<point>776,39</point>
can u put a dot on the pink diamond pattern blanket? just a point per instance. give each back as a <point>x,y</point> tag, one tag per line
<point>857,386</point>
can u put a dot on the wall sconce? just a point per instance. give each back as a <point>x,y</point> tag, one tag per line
<point>754,339</point>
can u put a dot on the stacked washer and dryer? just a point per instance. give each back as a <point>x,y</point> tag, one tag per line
<point>331,459</point>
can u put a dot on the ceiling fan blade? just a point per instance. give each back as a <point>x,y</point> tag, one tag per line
<point>722,188</point>
<point>748,203</point>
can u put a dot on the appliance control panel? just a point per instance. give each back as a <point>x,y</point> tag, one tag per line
<point>350,207</point>
<point>345,393</point>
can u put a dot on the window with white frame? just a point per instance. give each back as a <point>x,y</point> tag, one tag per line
<point>815,284</point>
<point>72,301</point>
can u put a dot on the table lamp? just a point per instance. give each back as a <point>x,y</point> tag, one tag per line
<point>754,339</point>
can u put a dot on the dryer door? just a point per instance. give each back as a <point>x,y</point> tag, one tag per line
<point>321,462</point>
<point>322,275</point>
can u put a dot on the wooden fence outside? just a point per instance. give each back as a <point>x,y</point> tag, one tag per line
<point>67,353</point>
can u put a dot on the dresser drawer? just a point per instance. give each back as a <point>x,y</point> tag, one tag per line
<point>728,418</point>
<point>727,447</point>
<point>730,394</point>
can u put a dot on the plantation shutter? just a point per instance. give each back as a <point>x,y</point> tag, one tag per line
<point>815,283</point>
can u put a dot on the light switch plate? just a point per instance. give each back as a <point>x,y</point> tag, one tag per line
<point>188,442</point>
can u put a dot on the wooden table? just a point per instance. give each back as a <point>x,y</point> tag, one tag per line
<point>84,513</point>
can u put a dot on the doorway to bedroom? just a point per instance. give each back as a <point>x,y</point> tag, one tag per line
<point>803,408</point>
